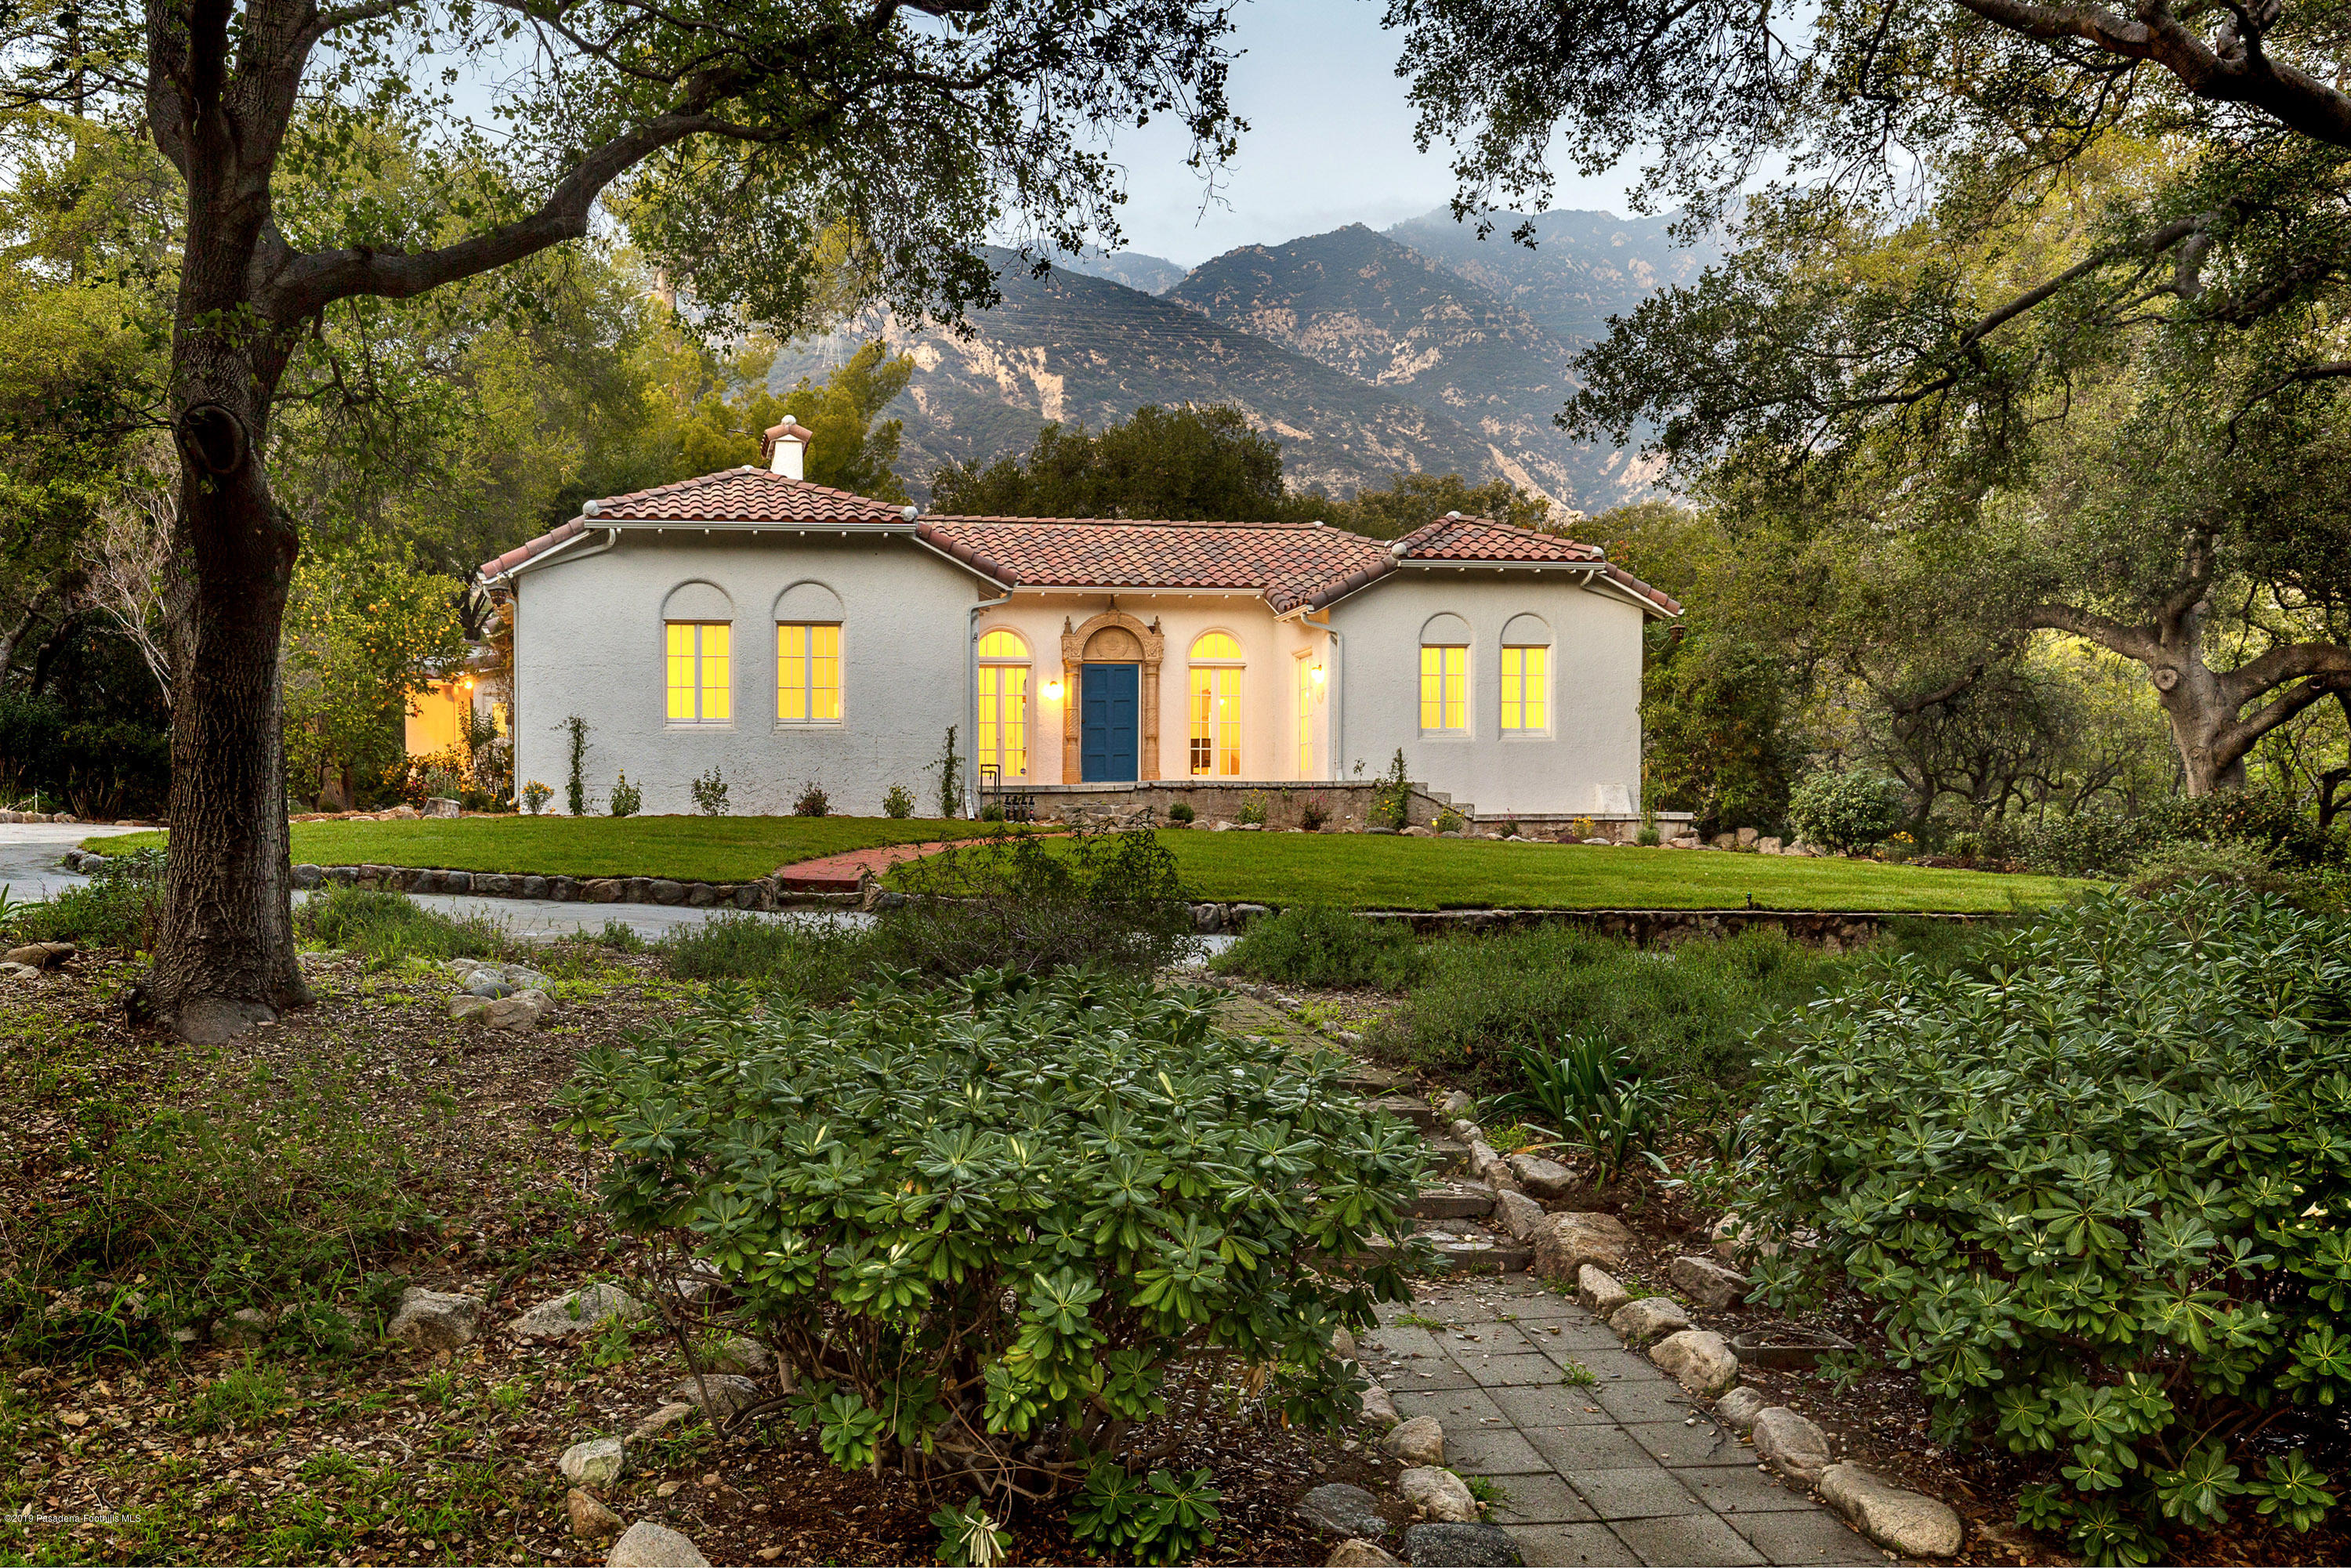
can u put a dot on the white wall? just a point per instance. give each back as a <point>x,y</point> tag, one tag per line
<point>588,641</point>
<point>1590,762</point>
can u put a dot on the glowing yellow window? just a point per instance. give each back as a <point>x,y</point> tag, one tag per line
<point>1307,669</point>
<point>1004,704</point>
<point>808,672</point>
<point>1444,687</point>
<point>1526,690</point>
<point>701,680</point>
<point>1215,705</point>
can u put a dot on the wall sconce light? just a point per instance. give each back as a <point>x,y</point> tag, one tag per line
<point>1318,675</point>
<point>468,682</point>
<point>1052,691</point>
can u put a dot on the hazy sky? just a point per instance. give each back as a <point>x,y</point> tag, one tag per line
<point>1329,142</point>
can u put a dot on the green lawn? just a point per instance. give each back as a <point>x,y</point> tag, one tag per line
<point>1373,871</point>
<point>690,848</point>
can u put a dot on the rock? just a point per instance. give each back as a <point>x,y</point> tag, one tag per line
<point>1519,1215</point>
<point>1488,1166</point>
<point>466,1007</point>
<point>1543,1178</point>
<point>442,806</point>
<point>17,971</point>
<point>39,955</point>
<point>1571,1240</point>
<point>595,1463</point>
<point>1734,1241</point>
<point>1898,1521</point>
<point>1207,919</point>
<point>524,975</point>
<point>660,1420</point>
<point>1460,1103</point>
<point>1419,1441</point>
<point>590,1520</point>
<point>1453,1200</point>
<point>1747,835</point>
<point>727,1394</point>
<point>664,891</point>
<point>576,1311</point>
<point>434,1320</point>
<point>1597,1291</point>
<point>1460,1546</point>
<point>1243,914</point>
<point>1343,1509</point>
<point>649,1545</point>
<point>1436,1493</point>
<point>1710,1282</point>
<point>1737,1410</point>
<point>1343,1344</point>
<point>247,1325</point>
<point>490,986</point>
<point>1379,1409</point>
<point>1651,1317</point>
<point>741,1352</point>
<point>1700,1360</point>
<point>523,1011</point>
<point>1360,1554</point>
<point>1768,846</point>
<point>1789,1444</point>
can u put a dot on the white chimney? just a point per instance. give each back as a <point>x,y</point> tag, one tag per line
<point>787,447</point>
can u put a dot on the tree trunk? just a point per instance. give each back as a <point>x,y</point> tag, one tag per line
<point>2201,715</point>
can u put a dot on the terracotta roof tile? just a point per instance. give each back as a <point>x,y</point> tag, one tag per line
<point>746,494</point>
<point>1483,539</point>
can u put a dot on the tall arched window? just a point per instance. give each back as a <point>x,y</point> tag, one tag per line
<point>808,655</point>
<point>1215,705</point>
<point>1003,740</point>
<point>1526,676</point>
<point>1445,675</point>
<point>697,655</point>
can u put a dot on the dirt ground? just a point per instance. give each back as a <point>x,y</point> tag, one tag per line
<point>117,1445</point>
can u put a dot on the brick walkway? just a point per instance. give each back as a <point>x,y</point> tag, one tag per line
<point>1628,1470</point>
<point>842,872</point>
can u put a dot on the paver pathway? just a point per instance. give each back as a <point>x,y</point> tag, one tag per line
<point>842,872</point>
<point>1627,1469</point>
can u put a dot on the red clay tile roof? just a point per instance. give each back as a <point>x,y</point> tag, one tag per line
<point>1291,564</point>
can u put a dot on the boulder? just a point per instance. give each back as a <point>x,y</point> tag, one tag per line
<point>741,1352</point>
<point>1598,1292</point>
<point>1453,1200</point>
<point>1737,1410</point>
<point>1521,1215</point>
<point>1768,846</point>
<point>1571,1240</point>
<point>1207,919</point>
<point>1343,1344</point>
<point>1459,1103</point>
<point>1460,1546</point>
<point>576,1311</point>
<point>523,1011</point>
<point>663,891</point>
<point>1419,1441</point>
<point>1651,1317</point>
<point>1699,1360</point>
<point>1543,1178</point>
<point>1359,1554</point>
<point>1734,1241</point>
<point>1899,1521</point>
<point>1714,1283</point>
<point>725,1393</point>
<point>645,1544</point>
<point>1339,1509</point>
<point>1244,913</point>
<point>1435,1493</point>
<point>590,1520</point>
<point>434,1320</point>
<point>39,955</point>
<point>595,1463</point>
<point>442,806</point>
<point>1789,1444</point>
<point>1491,1167</point>
<point>486,984</point>
<point>1379,1409</point>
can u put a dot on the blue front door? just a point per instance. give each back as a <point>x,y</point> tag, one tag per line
<point>1108,724</point>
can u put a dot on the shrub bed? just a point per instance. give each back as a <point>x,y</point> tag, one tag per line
<point>1314,945</point>
<point>986,1221</point>
<point>2099,1195</point>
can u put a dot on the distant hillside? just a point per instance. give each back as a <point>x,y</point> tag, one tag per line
<point>1388,315</point>
<point>1584,267</point>
<point>1151,274</point>
<point>1072,348</point>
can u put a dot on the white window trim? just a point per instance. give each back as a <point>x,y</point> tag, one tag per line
<point>1468,729</point>
<point>776,688</point>
<point>733,676</point>
<point>1028,707</point>
<point>1550,695</point>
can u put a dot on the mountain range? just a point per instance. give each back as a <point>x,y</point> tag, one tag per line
<point>1364,353</point>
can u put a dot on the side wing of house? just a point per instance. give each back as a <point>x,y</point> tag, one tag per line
<point>778,659</point>
<point>1516,691</point>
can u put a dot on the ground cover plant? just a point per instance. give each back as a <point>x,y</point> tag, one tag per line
<point>987,1221</point>
<point>118,908</point>
<point>1373,871</point>
<point>1314,945</point>
<point>2095,1189</point>
<point>690,848</point>
<point>387,927</point>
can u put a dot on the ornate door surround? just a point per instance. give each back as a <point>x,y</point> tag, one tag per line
<point>1113,637</point>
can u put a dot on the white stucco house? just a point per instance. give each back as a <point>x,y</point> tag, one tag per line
<point>784,633</point>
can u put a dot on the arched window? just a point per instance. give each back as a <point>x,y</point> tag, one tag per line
<point>808,654</point>
<point>697,655</point>
<point>1217,705</point>
<point>1445,675</point>
<point>1526,676</point>
<point>1003,741</point>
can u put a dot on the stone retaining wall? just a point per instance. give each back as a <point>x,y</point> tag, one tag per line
<point>767,893</point>
<point>1835,930</point>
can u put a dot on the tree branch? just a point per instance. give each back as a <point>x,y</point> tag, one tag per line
<point>2238,738</point>
<point>2293,660</point>
<point>2131,641</point>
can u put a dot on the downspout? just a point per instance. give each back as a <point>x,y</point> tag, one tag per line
<point>971,704</point>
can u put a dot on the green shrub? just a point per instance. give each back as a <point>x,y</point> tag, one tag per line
<point>710,793</point>
<point>535,797</point>
<point>1589,1095</point>
<point>813,802</point>
<point>2098,1196</point>
<point>1109,898</point>
<point>1647,837</point>
<point>1253,812</point>
<point>1181,811</point>
<point>2239,865</point>
<point>1391,796</point>
<point>814,962</point>
<point>986,1221</point>
<point>1688,1012</point>
<point>1449,821</point>
<point>1313,945</point>
<point>1160,1520</point>
<point>2090,843</point>
<point>120,907</point>
<point>388,927</point>
<point>1845,811</point>
<point>626,797</point>
<point>899,804</point>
